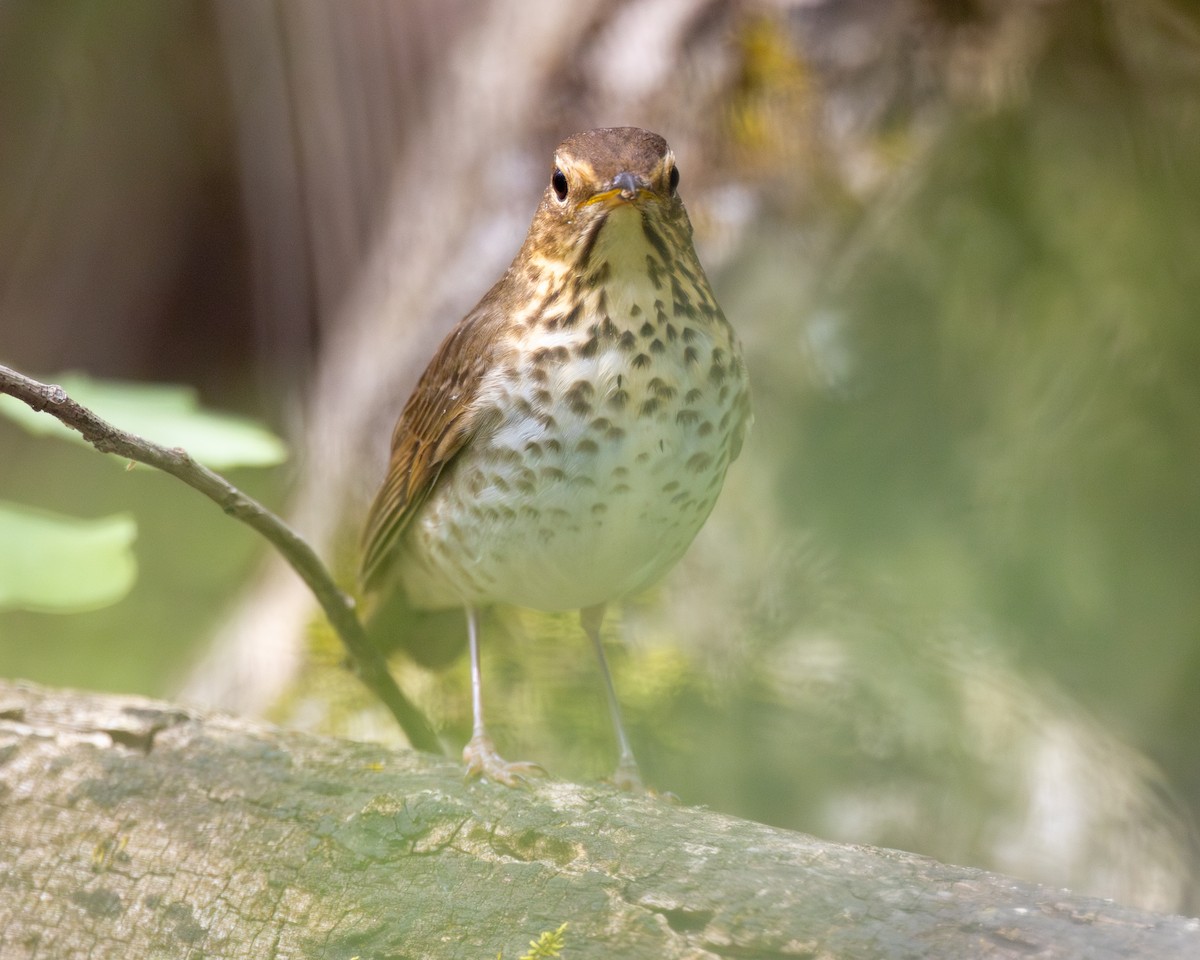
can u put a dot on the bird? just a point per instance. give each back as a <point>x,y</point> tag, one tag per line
<point>571,434</point>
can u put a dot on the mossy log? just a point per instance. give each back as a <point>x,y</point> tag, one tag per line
<point>132,828</point>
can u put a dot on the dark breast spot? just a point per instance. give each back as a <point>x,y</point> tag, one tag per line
<point>579,397</point>
<point>662,389</point>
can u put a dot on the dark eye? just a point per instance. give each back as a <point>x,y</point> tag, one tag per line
<point>559,182</point>
<point>673,180</point>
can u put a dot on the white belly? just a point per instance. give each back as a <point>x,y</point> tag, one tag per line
<point>593,505</point>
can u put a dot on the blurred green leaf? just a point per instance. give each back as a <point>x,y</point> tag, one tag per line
<point>57,564</point>
<point>167,414</point>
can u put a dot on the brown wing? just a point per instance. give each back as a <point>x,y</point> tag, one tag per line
<point>437,422</point>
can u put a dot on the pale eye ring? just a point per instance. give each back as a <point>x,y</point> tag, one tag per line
<point>558,182</point>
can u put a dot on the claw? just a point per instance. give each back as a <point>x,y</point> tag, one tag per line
<point>482,760</point>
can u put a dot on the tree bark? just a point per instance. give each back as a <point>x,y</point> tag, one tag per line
<point>134,828</point>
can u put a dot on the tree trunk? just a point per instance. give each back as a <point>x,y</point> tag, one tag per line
<point>133,828</point>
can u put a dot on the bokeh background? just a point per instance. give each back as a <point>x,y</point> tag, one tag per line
<point>950,599</point>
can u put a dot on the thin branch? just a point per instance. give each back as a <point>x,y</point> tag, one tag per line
<point>338,607</point>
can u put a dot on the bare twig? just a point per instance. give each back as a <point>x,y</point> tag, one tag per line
<point>338,607</point>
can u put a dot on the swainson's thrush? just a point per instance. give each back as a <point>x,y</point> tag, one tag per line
<point>572,432</point>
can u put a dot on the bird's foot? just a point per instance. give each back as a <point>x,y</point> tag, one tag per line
<point>482,760</point>
<point>627,777</point>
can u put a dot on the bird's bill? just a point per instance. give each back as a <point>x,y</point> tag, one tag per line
<point>625,187</point>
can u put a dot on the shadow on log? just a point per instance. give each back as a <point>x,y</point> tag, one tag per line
<point>134,828</point>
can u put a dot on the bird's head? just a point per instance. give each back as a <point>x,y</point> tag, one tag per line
<point>622,175</point>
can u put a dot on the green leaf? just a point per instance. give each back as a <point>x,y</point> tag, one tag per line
<point>57,564</point>
<point>167,414</point>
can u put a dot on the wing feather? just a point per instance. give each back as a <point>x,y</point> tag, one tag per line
<point>437,422</point>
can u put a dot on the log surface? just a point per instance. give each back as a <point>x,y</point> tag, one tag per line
<point>134,828</point>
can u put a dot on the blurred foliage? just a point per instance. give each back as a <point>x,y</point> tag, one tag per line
<point>166,414</point>
<point>1018,430</point>
<point>190,559</point>
<point>122,253</point>
<point>57,564</point>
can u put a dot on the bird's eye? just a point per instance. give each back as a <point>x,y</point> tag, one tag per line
<point>673,180</point>
<point>559,182</point>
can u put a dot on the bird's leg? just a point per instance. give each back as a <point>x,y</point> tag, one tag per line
<point>626,775</point>
<point>480,754</point>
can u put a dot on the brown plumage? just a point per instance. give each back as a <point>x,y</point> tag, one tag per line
<point>570,435</point>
